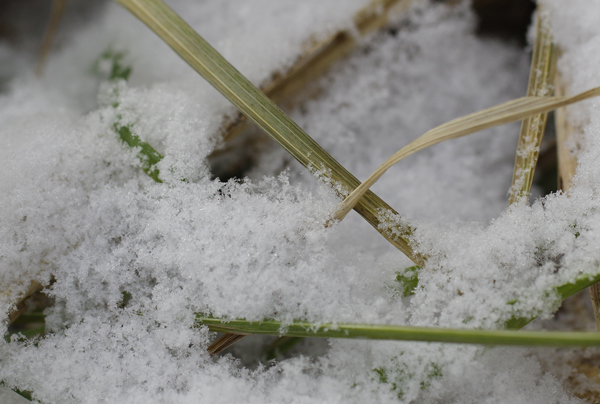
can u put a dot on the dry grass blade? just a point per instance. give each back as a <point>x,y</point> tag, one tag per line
<point>58,9</point>
<point>541,78</point>
<point>320,56</point>
<point>224,342</point>
<point>567,164</point>
<point>504,113</point>
<point>256,106</point>
<point>595,297</point>
<point>34,287</point>
<point>567,161</point>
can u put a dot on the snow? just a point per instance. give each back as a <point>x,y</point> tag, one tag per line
<point>80,216</point>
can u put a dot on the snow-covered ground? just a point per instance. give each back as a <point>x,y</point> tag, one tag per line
<point>77,208</point>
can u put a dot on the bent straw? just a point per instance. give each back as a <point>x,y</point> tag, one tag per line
<point>500,114</point>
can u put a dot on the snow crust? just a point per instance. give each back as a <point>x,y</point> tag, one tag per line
<point>77,209</point>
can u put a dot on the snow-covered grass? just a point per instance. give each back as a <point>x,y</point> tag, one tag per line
<point>130,261</point>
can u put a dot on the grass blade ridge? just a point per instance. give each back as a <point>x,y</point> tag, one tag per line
<point>541,80</point>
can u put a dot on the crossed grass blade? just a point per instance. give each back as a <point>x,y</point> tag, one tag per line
<point>510,111</point>
<point>256,106</point>
<point>204,59</point>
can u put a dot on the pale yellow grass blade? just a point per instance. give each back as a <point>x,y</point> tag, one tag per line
<point>504,113</point>
<point>567,164</point>
<point>565,134</point>
<point>541,79</point>
<point>58,9</point>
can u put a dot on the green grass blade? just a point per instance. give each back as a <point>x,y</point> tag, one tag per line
<point>148,156</point>
<point>256,106</point>
<point>407,333</point>
<point>117,71</point>
<point>580,283</point>
<point>404,333</point>
<point>8,396</point>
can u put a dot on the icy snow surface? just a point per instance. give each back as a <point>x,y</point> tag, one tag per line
<point>77,208</point>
